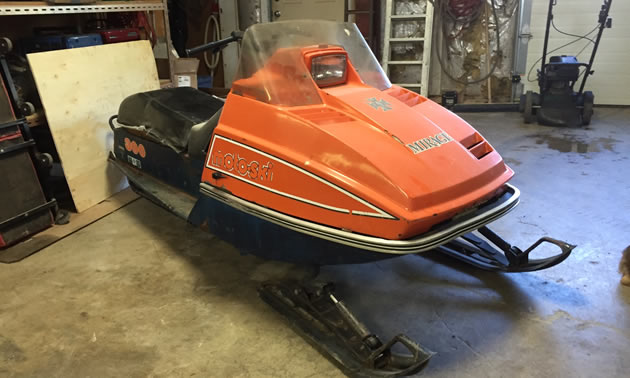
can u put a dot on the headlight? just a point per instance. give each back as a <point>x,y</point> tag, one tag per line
<point>329,70</point>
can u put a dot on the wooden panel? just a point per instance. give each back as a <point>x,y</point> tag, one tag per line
<point>80,89</point>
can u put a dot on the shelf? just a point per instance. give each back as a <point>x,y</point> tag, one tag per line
<point>408,16</point>
<point>419,69</point>
<point>406,39</point>
<point>13,8</point>
<point>410,85</point>
<point>404,62</point>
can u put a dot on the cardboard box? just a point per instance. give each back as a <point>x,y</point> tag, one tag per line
<point>185,74</point>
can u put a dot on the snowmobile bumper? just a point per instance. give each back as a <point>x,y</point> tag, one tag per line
<point>462,224</point>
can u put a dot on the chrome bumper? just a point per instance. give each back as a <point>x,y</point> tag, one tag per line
<point>427,241</point>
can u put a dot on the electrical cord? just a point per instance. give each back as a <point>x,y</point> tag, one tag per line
<point>583,48</point>
<point>211,65</point>
<point>569,34</point>
<point>464,11</point>
<point>558,48</point>
<point>443,10</point>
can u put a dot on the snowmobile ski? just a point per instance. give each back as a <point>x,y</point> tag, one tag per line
<point>327,324</point>
<point>504,257</point>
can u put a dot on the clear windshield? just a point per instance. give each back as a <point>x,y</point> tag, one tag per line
<point>272,70</point>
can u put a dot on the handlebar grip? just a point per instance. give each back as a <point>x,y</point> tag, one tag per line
<point>202,48</point>
<point>237,34</point>
<point>216,45</point>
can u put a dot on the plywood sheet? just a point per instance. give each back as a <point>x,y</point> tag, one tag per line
<point>80,89</point>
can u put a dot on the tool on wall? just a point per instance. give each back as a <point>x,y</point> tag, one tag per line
<point>465,12</point>
<point>558,104</point>
<point>212,60</point>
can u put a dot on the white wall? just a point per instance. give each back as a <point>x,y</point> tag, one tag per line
<point>611,81</point>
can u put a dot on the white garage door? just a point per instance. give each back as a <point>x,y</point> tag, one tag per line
<point>611,81</point>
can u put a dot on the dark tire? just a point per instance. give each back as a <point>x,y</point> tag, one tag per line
<point>27,109</point>
<point>44,160</point>
<point>587,110</point>
<point>528,110</point>
<point>536,99</point>
<point>5,45</point>
<point>521,104</point>
<point>62,217</point>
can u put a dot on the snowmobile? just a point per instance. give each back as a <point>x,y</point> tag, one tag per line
<point>316,158</point>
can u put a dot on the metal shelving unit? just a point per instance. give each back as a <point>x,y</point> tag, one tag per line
<point>13,8</point>
<point>390,41</point>
<point>35,8</point>
<point>407,16</point>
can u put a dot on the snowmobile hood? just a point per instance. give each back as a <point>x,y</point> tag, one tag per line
<point>350,164</point>
<point>427,153</point>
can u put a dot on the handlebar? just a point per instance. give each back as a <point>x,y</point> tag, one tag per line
<point>216,46</point>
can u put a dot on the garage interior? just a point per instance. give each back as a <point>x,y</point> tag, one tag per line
<point>103,277</point>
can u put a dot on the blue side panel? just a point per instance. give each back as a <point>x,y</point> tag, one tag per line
<point>159,161</point>
<point>252,235</point>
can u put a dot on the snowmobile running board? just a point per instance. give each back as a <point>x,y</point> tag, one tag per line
<point>328,325</point>
<point>506,258</point>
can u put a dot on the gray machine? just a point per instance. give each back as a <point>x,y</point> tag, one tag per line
<point>558,104</point>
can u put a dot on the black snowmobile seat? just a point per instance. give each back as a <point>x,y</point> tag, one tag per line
<point>170,115</point>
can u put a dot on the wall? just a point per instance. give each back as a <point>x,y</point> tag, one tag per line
<point>611,81</point>
<point>466,56</point>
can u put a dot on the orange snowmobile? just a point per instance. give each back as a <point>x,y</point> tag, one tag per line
<point>316,158</point>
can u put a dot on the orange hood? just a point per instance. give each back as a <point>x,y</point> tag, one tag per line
<point>397,132</point>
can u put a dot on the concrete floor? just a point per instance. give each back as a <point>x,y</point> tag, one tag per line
<point>140,293</point>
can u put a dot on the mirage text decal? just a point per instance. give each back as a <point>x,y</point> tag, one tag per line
<point>430,142</point>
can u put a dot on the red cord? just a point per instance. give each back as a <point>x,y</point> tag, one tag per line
<point>464,10</point>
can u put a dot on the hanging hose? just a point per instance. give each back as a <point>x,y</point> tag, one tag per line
<point>211,65</point>
<point>470,15</point>
<point>464,11</point>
